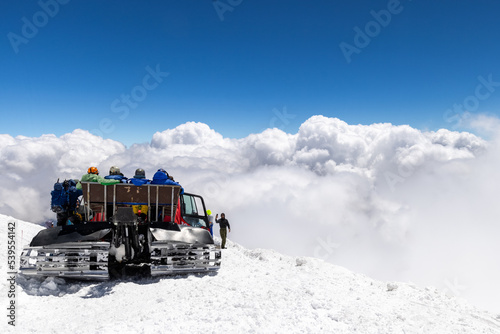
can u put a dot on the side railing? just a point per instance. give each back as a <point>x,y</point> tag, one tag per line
<point>162,199</point>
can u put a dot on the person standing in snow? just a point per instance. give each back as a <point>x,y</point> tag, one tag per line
<point>224,228</point>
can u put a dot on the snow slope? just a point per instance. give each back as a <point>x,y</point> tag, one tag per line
<point>255,291</point>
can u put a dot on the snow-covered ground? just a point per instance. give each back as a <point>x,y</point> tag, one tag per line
<point>255,291</point>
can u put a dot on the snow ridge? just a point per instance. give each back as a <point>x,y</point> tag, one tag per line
<point>255,291</point>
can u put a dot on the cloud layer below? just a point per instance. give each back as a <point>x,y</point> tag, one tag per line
<point>389,201</point>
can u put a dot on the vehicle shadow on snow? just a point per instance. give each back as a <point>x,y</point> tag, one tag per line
<point>59,287</point>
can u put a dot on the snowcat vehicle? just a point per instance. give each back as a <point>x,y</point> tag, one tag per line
<point>115,239</point>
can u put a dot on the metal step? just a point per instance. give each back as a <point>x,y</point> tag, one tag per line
<point>83,260</point>
<point>89,260</point>
<point>170,258</point>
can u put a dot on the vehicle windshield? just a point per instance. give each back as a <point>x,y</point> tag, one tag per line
<point>195,222</point>
<point>193,210</point>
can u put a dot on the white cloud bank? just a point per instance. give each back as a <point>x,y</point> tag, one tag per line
<point>388,201</point>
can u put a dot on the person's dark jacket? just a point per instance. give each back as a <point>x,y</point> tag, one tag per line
<point>74,193</point>
<point>223,222</point>
<point>119,177</point>
<point>162,177</point>
<point>138,182</point>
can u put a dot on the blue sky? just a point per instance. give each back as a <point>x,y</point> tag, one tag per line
<point>241,66</point>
